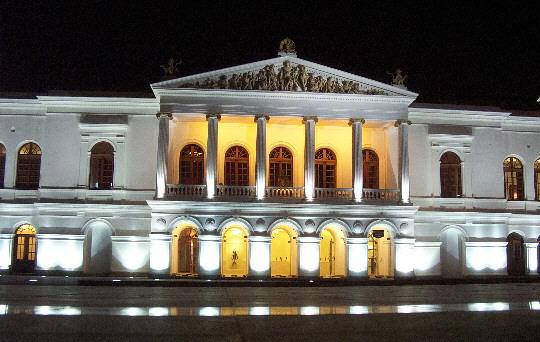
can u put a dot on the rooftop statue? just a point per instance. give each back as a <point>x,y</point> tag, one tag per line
<point>287,46</point>
<point>397,78</point>
<point>171,68</point>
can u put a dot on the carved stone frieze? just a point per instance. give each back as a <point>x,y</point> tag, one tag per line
<point>288,77</point>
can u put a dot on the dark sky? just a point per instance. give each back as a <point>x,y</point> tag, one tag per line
<point>454,54</point>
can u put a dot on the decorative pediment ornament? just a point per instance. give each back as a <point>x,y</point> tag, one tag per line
<point>287,46</point>
<point>287,77</point>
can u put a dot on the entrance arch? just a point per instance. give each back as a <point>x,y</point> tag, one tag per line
<point>332,252</point>
<point>380,253</point>
<point>515,255</point>
<point>284,252</point>
<point>234,252</point>
<point>97,248</point>
<point>185,250</point>
<point>452,253</point>
<point>24,249</point>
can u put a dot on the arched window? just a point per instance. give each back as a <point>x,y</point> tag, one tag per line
<point>537,180</point>
<point>450,175</point>
<point>325,168</point>
<point>237,166</point>
<point>281,166</point>
<point>191,165</point>
<point>371,169</point>
<point>2,165</point>
<point>101,166</point>
<point>513,179</point>
<point>24,249</point>
<point>28,167</point>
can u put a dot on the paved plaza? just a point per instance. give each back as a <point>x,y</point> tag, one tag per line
<point>349,313</point>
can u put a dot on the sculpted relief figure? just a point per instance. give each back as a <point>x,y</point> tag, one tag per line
<point>287,78</point>
<point>397,77</point>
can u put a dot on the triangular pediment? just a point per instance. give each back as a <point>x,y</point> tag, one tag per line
<point>285,73</point>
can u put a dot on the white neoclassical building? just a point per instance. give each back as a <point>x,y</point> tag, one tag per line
<point>278,168</point>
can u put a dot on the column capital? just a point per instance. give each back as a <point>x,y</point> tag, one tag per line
<point>361,120</point>
<point>208,116</point>
<point>258,116</point>
<point>308,118</point>
<point>402,122</point>
<point>160,115</point>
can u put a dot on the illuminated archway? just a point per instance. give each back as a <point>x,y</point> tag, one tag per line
<point>380,253</point>
<point>332,252</point>
<point>184,250</point>
<point>284,252</point>
<point>234,252</point>
<point>515,255</point>
<point>24,249</point>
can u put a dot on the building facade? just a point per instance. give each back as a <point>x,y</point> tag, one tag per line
<point>281,168</point>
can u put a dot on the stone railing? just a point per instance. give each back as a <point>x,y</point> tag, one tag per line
<point>279,192</point>
<point>334,193</point>
<point>181,190</point>
<point>390,195</point>
<point>235,191</point>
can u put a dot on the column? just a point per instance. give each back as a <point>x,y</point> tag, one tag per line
<point>308,255</point>
<point>309,157</point>
<point>357,257</point>
<point>403,133</point>
<point>358,167</point>
<point>260,162</point>
<point>209,255</point>
<point>162,153</point>
<point>259,256</point>
<point>211,154</point>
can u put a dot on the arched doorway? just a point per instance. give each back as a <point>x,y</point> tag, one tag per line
<point>332,252</point>
<point>24,249</point>
<point>380,253</point>
<point>2,165</point>
<point>450,174</point>
<point>185,251</point>
<point>97,248</point>
<point>370,161</point>
<point>284,252</point>
<point>325,168</point>
<point>515,255</point>
<point>237,166</point>
<point>28,167</point>
<point>280,167</point>
<point>191,165</point>
<point>513,179</point>
<point>101,166</point>
<point>234,254</point>
<point>452,253</point>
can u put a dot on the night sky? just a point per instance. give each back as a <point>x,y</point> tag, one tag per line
<point>452,55</point>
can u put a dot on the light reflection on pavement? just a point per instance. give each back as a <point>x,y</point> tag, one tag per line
<point>229,311</point>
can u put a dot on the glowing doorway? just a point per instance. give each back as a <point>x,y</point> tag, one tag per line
<point>380,254</point>
<point>332,253</point>
<point>24,249</point>
<point>234,254</point>
<point>185,251</point>
<point>284,253</point>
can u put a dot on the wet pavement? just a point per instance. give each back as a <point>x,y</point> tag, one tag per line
<point>509,311</point>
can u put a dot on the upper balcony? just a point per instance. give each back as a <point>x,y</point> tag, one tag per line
<point>234,165</point>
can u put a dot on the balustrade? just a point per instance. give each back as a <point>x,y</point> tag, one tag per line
<point>235,191</point>
<point>174,190</point>
<point>390,195</point>
<point>279,192</point>
<point>321,194</point>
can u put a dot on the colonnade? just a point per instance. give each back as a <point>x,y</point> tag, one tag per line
<point>260,163</point>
